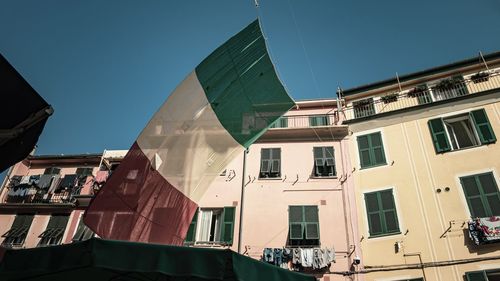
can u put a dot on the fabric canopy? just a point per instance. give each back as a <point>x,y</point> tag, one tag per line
<point>22,117</point>
<point>97,260</point>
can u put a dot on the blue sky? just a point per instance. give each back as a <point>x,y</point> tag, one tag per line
<point>106,66</point>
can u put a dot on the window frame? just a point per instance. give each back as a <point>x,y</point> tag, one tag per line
<point>483,196</point>
<point>325,159</point>
<point>381,213</point>
<point>303,240</point>
<point>269,173</point>
<point>371,150</point>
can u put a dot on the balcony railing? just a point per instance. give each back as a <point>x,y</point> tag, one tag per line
<point>306,121</point>
<point>35,195</point>
<point>446,89</point>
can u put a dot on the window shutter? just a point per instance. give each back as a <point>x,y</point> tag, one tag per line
<point>483,126</point>
<point>390,216</point>
<point>79,231</point>
<point>378,155</point>
<point>476,276</point>
<point>313,121</point>
<point>473,195</point>
<point>295,218</point>
<point>439,136</point>
<point>276,160</point>
<point>311,222</point>
<point>190,237</point>
<point>364,151</point>
<point>373,213</point>
<point>228,224</point>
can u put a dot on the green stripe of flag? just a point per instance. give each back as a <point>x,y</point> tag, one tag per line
<point>242,86</point>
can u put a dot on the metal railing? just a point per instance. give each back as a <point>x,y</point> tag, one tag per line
<point>34,195</point>
<point>446,89</point>
<point>306,121</point>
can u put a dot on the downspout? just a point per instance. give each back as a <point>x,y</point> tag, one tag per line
<point>243,174</point>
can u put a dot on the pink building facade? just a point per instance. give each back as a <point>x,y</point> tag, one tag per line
<point>290,192</point>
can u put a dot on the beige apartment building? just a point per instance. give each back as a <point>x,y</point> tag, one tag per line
<point>426,166</point>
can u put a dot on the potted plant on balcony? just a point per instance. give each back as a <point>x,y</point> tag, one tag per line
<point>480,77</point>
<point>444,84</point>
<point>389,98</point>
<point>417,91</point>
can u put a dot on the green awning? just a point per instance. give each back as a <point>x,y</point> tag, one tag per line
<point>97,260</point>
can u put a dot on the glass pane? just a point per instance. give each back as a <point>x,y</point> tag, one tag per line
<point>329,152</point>
<point>375,224</point>
<point>276,166</point>
<point>371,202</point>
<point>391,221</point>
<point>470,186</point>
<point>463,133</point>
<point>387,199</point>
<point>494,202</point>
<point>488,183</point>
<point>311,213</point>
<point>264,166</point>
<point>295,214</point>
<point>477,208</point>
<point>329,162</point>
<point>319,162</point>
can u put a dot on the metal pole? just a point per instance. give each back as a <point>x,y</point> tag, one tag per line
<point>421,263</point>
<point>485,64</point>
<point>399,84</point>
<point>240,228</point>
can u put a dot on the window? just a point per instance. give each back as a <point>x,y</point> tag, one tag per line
<point>371,150</point>
<point>82,232</point>
<point>484,275</point>
<point>17,233</point>
<point>303,226</point>
<point>381,211</point>
<point>482,195</point>
<point>282,122</point>
<point>324,162</point>
<point>84,171</point>
<point>461,131</point>
<point>363,108</point>
<point>52,171</point>
<point>212,226</point>
<point>54,232</point>
<point>319,120</point>
<point>270,163</point>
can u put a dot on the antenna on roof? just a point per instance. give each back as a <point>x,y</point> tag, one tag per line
<point>399,84</point>
<point>256,3</point>
<point>484,61</point>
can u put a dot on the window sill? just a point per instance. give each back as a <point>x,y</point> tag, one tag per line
<point>264,179</point>
<point>374,166</point>
<point>325,177</point>
<point>464,149</point>
<point>384,235</point>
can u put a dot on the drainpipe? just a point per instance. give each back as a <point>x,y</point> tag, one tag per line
<point>420,259</point>
<point>243,174</point>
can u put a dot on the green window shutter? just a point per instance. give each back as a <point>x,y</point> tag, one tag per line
<point>439,136</point>
<point>483,197</point>
<point>311,222</point>
<point>364,151</point>
<point>381,212</point>
<point>476,276</point>
<point>377,149</point>
<point>483,126</point>
<point>191,234</point>
<point>228,224</point>
<point>295,219</point>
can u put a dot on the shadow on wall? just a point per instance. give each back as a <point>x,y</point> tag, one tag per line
<point>478,249</point>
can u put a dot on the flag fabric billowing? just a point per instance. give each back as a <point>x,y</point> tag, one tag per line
<point>222,107</point>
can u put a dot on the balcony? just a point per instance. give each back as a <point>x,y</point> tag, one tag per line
<point>445,89</point>
<point>306,127</point>
<point>32,193</point>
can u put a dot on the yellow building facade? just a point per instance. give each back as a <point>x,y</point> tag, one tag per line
<point>426,171</point>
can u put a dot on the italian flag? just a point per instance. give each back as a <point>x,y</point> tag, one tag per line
<point>219,110</point>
